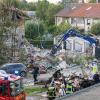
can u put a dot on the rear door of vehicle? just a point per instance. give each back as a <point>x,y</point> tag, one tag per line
<point>4,94</point>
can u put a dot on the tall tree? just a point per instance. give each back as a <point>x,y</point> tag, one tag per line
<point>51,11</point>
<point>42,8</point>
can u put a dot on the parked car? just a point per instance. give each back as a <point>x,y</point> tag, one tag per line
<point>13,68</point>
<point>3,72</point>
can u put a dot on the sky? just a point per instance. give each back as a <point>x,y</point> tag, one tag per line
<point>51,1</point>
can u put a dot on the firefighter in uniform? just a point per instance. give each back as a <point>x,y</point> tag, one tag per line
<point>69,88</point>
<point>51,93</point>
<point>94,67</point>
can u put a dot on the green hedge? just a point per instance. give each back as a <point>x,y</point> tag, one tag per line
<point>47,44</point>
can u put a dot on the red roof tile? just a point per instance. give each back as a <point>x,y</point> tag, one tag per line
<point>85,10</point>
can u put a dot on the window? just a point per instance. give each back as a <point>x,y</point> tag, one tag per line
<point>88,21</point>
<point>78,47</point>
<point>67,45</point>
<point>73,20</point>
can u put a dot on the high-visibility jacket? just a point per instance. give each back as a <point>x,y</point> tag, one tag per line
<point>69,89</point>
<point>95,69</point>
<point>51,92</point>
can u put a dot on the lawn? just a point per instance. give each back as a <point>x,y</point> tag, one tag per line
<point>33,91</point>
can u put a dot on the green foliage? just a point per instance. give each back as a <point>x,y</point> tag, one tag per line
<point>46,11</point>
<point>9,3</point>
<point>64,2</point>
<point>52,28</point>
<point>31,91</point>
<point>42,8</point>
<point>20,4</point>
<point>33,29</point>
<point>95,28</point>
<point>92,1</point>
<point>50,14</point>
<point>63,27</point>
<point>37,42</point>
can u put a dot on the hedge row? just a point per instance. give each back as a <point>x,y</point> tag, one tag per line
<point>45,44</point>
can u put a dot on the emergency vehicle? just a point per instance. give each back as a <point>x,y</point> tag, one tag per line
<point>11,87</point>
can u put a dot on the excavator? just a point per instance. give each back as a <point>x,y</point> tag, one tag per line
<point>72,33</point>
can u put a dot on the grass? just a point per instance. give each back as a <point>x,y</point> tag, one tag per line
<point>33,91</point>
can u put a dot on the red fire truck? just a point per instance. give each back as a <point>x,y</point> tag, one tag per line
<point>11,87</point>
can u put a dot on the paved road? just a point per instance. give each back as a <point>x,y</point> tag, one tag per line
<point>29,82</point>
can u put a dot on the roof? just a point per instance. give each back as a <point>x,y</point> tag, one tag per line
<point>86,10</point>
<point>64,12</point>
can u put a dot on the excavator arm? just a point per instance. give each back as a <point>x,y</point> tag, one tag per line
<point>71,33</point>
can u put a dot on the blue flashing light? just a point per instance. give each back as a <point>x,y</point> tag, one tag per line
<point>16,72</point>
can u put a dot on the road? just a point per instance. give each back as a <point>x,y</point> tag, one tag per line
<point>29,82</point>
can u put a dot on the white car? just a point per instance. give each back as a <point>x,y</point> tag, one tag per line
<point>3,72</point>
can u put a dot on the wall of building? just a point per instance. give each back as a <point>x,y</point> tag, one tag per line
<point>75,44</point>
<point>82,23</point>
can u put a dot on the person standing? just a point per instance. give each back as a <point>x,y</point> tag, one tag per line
<point>62,90</point>
<point>35,72</point>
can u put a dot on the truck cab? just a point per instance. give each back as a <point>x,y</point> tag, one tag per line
<point>11,88</point>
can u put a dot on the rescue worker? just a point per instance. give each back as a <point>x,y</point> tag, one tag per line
<point>69,88</point>
<point>94,67</point>
<point>62,90</point>
<point>96,77</point>
<point>51,93</point>
<point>35,72</point>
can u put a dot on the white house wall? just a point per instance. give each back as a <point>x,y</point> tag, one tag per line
<point>76,45</point>
<point>82,23</point>
<point>58,20</point>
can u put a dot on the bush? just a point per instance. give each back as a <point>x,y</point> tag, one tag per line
<point>32,29</point>
<point>46,44</point>
<point>95,28</point>
<point>63,27</point>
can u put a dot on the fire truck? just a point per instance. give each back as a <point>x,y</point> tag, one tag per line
<point>11,87</point>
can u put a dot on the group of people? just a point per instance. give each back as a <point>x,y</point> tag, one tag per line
<point>60,86</point>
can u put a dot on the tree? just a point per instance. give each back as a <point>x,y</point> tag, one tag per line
<point>51,11</point>
<point>10,3</point>
<point>46,11</point>
<point>64,2</point>
<point>41,10</point>
<point>33,29</point>
<point>95,28</point>
<point>94,1</point>
<point>62,27</point>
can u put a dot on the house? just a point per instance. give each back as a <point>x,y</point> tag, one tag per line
<point>79,15</point>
